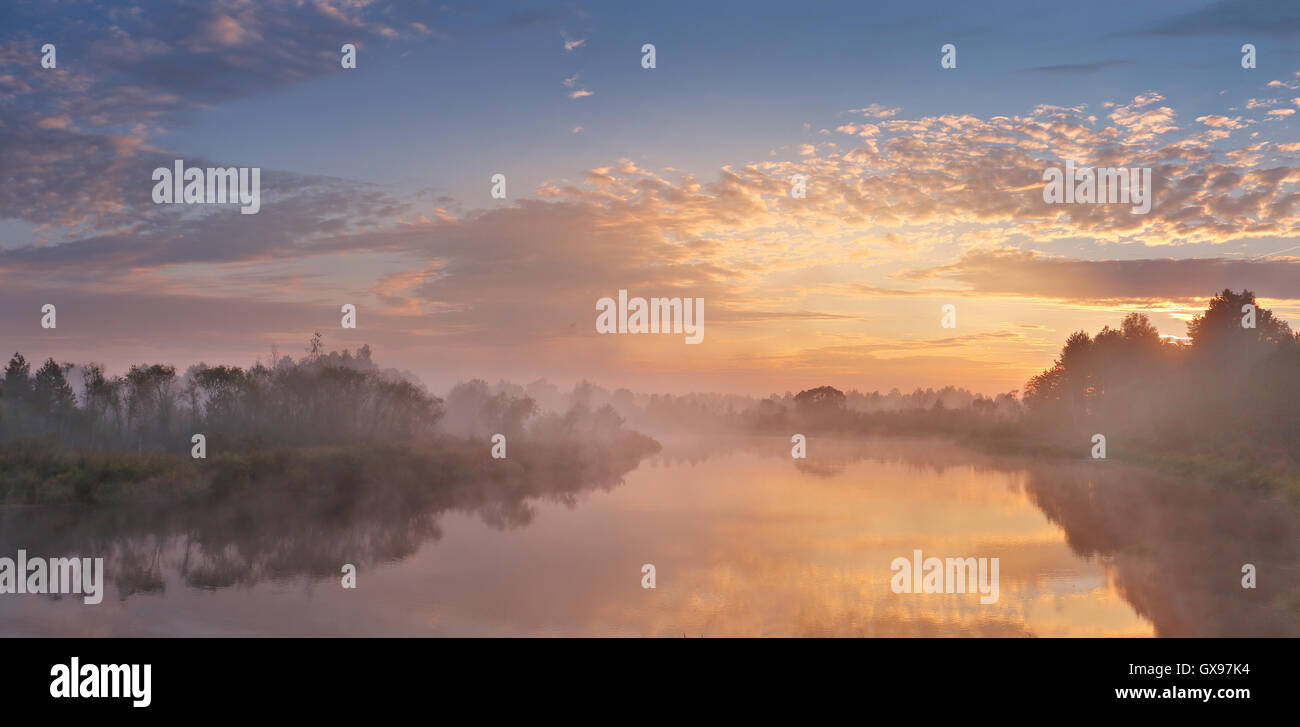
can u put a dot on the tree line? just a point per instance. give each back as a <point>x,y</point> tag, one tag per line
<point>319,399</point>
<point>1229,384</point>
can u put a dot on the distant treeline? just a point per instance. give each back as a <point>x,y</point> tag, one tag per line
<point>320,399</point>
<point>325,424</point>
<point>1229,385</point>
<point>827,410</point>
<point>1227,394</point>
<point>931,410</point>
<point>1221,402</point>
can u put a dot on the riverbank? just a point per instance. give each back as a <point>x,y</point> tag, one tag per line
<point>32,474</point>
<point>1228,466</point>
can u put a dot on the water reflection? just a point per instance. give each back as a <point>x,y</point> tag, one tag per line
<point>244,539</point>
<point>745,542</point>
<point>1176,549</point>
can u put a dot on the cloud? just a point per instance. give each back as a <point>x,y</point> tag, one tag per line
<point>1030,274</point>
<point>1232,17</point>
<point>1222,122</point>
<point>532,17</point>
<point>90,131</point>
<point>570,45</point>
<point>1143,124</point>
<point>581,93</point>
<point>226,31</point>
<point>1079,68</point>
<point>904,179</point>
<point>876,111</point>
<point>201,53</point>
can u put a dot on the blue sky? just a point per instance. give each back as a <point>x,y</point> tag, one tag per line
<point>485,89</point>
<point>493,97</point>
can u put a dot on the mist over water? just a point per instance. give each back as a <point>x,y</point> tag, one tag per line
<point>745,542</point>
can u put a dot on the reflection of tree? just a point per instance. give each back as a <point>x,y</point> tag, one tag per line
<point>817,468</point>
<point>831,455</point>
<point>1176,548</point>
<point>359,507</point>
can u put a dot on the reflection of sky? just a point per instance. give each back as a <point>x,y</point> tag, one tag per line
<point>742,545</point>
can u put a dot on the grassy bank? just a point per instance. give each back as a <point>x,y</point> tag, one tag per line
<point>1231,465</point>
<point>32,474</point>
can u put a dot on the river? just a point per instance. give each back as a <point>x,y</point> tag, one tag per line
<point>744,541</point>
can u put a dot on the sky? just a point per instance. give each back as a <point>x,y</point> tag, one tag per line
<point>923,183</point>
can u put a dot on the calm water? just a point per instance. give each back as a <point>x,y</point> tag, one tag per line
<point>744,543</point>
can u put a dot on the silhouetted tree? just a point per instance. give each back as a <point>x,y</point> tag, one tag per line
<point>1129,381</point>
